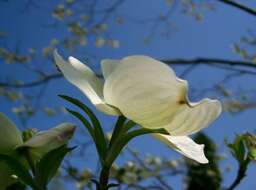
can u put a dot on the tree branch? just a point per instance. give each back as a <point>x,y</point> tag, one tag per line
<point>211,61</point>
<point>33,83</point>
<point>239,6</point>
<point>219,63</point>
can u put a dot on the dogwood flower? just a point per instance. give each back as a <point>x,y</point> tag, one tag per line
<point>38,145</point>
<point>147,92</point>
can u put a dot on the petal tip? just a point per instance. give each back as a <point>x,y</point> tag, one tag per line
<point>72,59</point>
<point>56,54</point>
<point>202,159</point>
<point>185,146</point>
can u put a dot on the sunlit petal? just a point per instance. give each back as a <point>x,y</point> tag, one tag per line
<point>143,89</point>
<point>108,66</point>
<point>85,79</point>
<point>185,146</point>
<point>192,117</point>
<point>148,92</point>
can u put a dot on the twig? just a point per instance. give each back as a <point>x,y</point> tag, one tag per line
<point>211,61</point>
<point>188,70</point>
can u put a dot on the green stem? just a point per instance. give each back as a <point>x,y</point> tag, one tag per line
<point>240,174</point>
<point>121,136</point>
<point>104,178</point>
<point>104,175</point>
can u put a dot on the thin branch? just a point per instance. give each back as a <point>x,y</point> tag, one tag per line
<point>211,61</point>
<point>188,70</point>
<point>109,11</point>
<point>239,6</point>
<point>33,83</point>
<point>235,69</point>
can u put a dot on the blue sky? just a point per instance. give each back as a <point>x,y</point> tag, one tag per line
<point>212,37</point>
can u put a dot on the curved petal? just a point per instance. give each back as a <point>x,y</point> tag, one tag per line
<point>84,78</point>
<point>108,66</point>
<point>148,92</point>
<point>48,140</point>
<point>185,146</point>
<point>192,117</point>
<point>143,89</point>
<point>10,136</point>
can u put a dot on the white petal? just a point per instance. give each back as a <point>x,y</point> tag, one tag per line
<point>192,117</point>
<point>84,78</point>
<point>148,92</point>
<point>185,146</point>
<point>10,136</point>
<point>142,89</point>
<point>108,66</point>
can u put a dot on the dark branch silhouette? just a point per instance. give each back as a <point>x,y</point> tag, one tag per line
<point>241,173</point>
<point>239,6</point>
<point>33,83</point>
<point>211,61</point>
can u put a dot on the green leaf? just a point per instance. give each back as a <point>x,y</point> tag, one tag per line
<point>99,134</point>
<point>99,147</point>
<point>47,167</point>
<point>16,186</point>
<point>117,129</point>
<point>84,121</point>
<point>85,108</point>
<point>18,169</point>
<point>250,142</point>
<point>125,138</point>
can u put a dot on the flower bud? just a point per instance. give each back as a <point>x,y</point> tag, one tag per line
<point>45,141</point>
